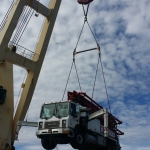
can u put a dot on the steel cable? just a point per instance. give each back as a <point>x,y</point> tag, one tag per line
<point>25,23</point>
<point>24,28</point>
<point>105,85</point>
<point>92,32</point>
<point>99,59</point>
<point>80,35</point>
<point>22,23</point>
<point>19,24</point>
<point>5,18</point>
<point>86,20</point>
<point>67,81</point>
<point>85,13</point>
<point>77,76</point>
<point>96,75</point>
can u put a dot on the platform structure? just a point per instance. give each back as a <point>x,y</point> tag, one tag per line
<point>29,60</point>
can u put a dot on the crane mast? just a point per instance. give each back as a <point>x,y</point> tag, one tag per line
<point>8,57</point>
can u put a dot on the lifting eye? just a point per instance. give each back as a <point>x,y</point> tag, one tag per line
<point>2,95</point>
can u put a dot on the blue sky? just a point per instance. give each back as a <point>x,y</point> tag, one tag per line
<point>122,28</point>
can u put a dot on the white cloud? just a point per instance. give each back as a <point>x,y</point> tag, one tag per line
<point>122,29</point>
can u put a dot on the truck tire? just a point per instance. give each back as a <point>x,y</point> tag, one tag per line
<point>12,148</point>
<point>79,139</point>
<point>47,144</point>
<point>112,145</point>
<point>73,144</point>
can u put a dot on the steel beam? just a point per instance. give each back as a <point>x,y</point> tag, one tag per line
<point>32,76</point>
<point>10,26</point>
<point>7,109</point>
<point>39,8</point>
<point>20,60</point>
<point>27,123</point>
<point>97,114</point>
<point>106,123</point>
<point>8,125</point>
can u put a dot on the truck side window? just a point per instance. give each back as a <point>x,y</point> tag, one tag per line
<point>73,110</point>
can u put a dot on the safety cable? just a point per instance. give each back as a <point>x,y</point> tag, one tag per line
<point>105,85</point>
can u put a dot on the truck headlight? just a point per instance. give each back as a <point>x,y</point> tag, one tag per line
<point>40,125</point>
<point>63,123</point>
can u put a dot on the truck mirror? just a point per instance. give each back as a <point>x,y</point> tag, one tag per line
<point>77,109</point>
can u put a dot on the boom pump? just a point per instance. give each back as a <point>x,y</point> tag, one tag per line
<point>73,122</point>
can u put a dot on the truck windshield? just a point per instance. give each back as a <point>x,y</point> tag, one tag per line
<point>58,110</point>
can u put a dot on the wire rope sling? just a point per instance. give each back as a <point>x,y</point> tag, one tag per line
<point>87,2</point>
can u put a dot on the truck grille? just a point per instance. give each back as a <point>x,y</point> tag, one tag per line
<point>53,124</point>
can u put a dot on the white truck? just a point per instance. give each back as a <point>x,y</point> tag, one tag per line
<point>68,122</point>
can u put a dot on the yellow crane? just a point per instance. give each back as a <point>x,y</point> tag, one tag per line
<point>33,64</point>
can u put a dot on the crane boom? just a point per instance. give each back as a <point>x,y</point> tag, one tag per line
<point>8,57</point>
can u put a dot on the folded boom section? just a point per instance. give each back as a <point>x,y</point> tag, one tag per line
<point>84,100</point>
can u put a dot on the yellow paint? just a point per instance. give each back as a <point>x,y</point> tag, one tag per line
<point>7,124</point>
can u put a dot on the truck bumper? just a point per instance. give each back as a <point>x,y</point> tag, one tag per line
<point>53,132</point>
<point>60,135</point>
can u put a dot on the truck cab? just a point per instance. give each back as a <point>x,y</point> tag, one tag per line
<point>57,123</point>
<point>67,122</point>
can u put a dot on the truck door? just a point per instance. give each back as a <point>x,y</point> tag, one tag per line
<point>74,116</point>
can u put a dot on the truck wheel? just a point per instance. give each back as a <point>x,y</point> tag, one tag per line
<point>79,139</point>
<point>47,144</point>
<point>111,145</point>
<point>12,148</point>
<point>73,144</point>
